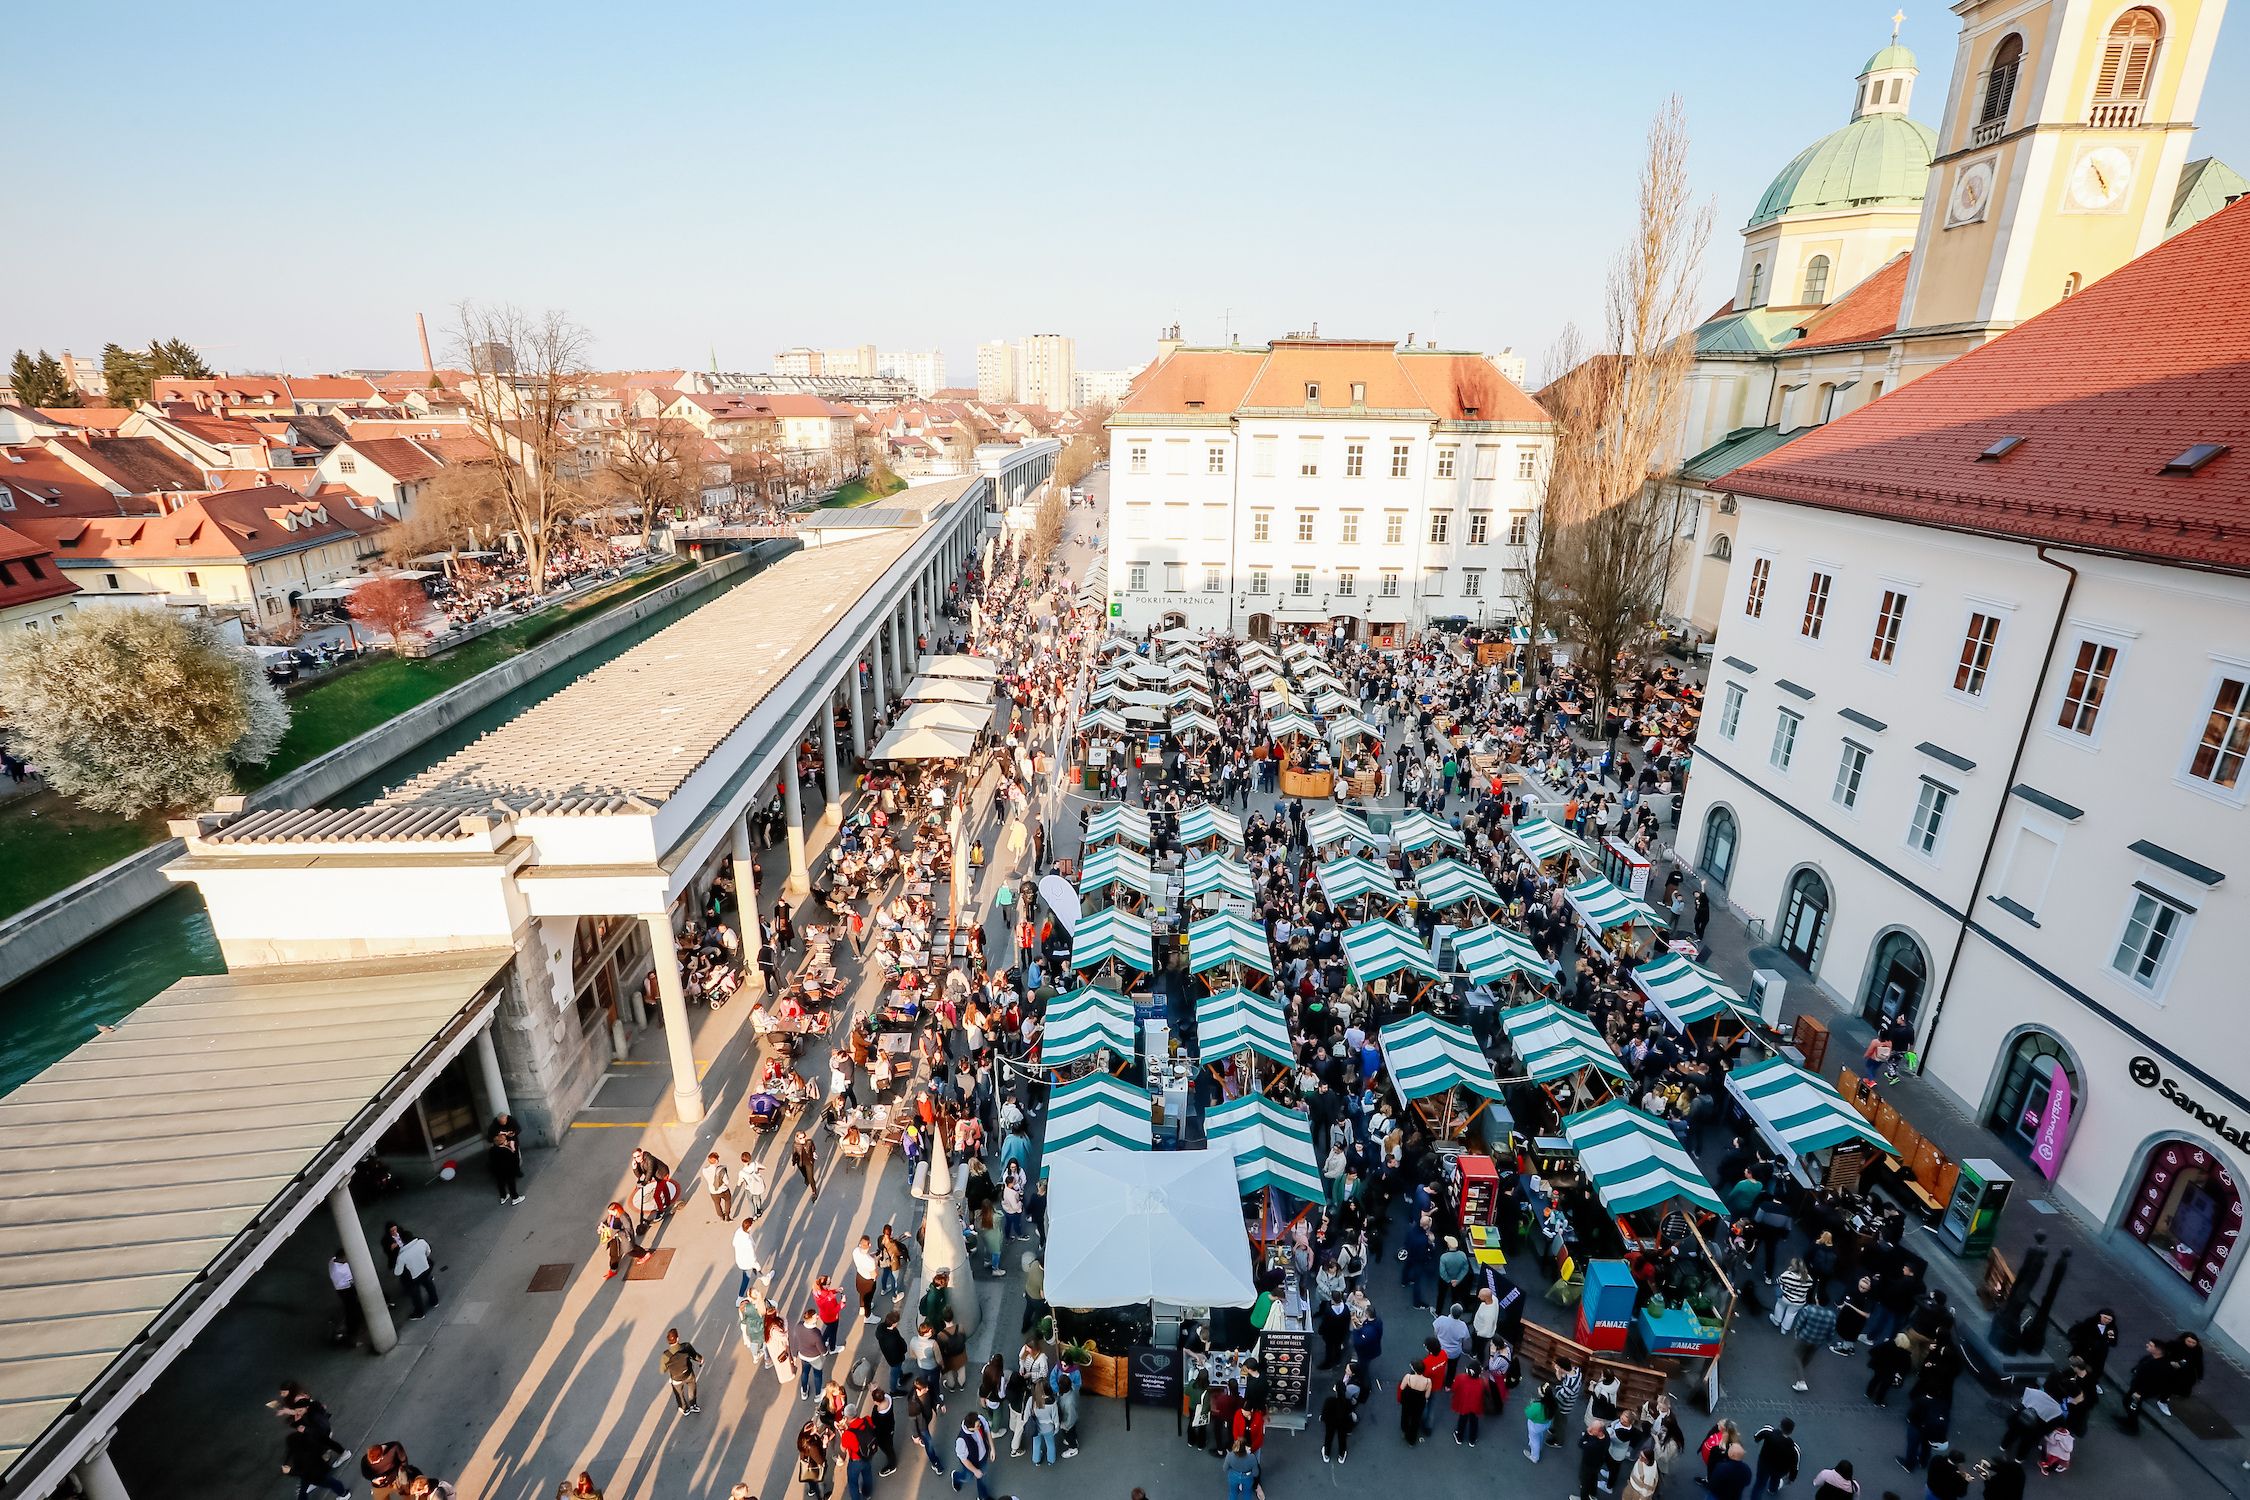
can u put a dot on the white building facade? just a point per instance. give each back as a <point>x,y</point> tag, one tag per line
<point>1045,370</point>
<point>922,369</point>
<point>1346,486</point>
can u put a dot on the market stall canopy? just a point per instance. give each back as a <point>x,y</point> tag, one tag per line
<point>1102,718</point>
<point>1118,821</point>
<point>1115,864</point>
<point>1272,1147</point>
<point>1274,698</point>
<point>1350,878</point>
<point>1799,1113</point>
<point>1138,1226</point>
<point>1542,841</point>
<point>1141,714</point>
<point>340,590</point>
<point>1095,1113</point>
<point>1105,692</point>
<point>1634,1161</point>
<point>1178,635</point>
<point>1237,1020</point>
<point>1377,950</point>
<point>1350,727</point>
<point>1113,933</point>
<point>1448,882</point>
<point>1491,954</point>
<point>1299,651</point>
<point>1415,831</point>
<point>1193,722</point>
<point>1553,1041</point>
<point>1146,698</point>
<point>924,743</point>
<point>1428,1056</point>
<point>1602,906</point>
<point>1282,725</point>
<point>1228,938</point>
<point>1334,826</point>
<point>1082,1023</point>
<point>1687,992</point>
<point>1145,668</point>
<point>946,690</point>
<point>1329,703</point>
<point>952,718</point>
<point>1116,645</point>
<point>1207,873</point>
<point>970,668</point>
<point>1206,821</point>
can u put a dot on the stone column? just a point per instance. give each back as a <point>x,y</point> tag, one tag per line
<point>800,877</point>
<point>876,672</point>
<point>941,1238</point>
<point>488,1068</point>
<point>833,777</point>
<point>746,905</point>
<point>97,1474</point>
<point>679,1043</point>
<point>902,646</point>
<point>858,704</point>
<point>382,1334</point>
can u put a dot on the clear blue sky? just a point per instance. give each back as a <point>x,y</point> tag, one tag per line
<point>289,186</point>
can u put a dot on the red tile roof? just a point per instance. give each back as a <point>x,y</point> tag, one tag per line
<point>2104,389</point>
<point>41,484</point>
<point>785,405</point>
<point>86,418</point>
<point>140,465</point>
<point>1867,312</point>
<point>28,572</point>
<point>1454,387</point>
<point>236,525</point>
<point>403,460</point>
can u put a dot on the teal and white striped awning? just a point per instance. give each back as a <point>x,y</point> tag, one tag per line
<point>1491,954</point>
<point>1377,950</point>
<point>1553,1041</point>
<point>1602,906</point>
<point>1331,825</point>
<point>1106,692</point>
<point>1207,873</point>
<point>1633,1161</point>
<point>1329,703</point>
<point>1797,1112</point>
<point>1448,882</point>
<point>1115,864</point>
<point>1276,698</point>
<point>1194,721</point>
<point>1082,1023</point>
<point>1349,727</point>
<point>1298,650</point>
<point>1428,1056</point>
<point>1145,668</point>
<point>1417,830</point>
<point>1687,992</point>
<point>1200,823</point>
<point>1102,718</point>
<point>1272,1147</point>
<point>1193,695</point>
<point>1113,933</point>
<point>1542,841</point>
<point>1116,645</point>
<point>1237,1020</point>
<point>1094,1113</point>
<point>1228,938</point>
<point>1351,878</point>
<point>1282,725</point>
<point>1117,821</point>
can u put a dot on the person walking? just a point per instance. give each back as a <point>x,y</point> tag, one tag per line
<point>719,1184</point>
<point>1538,1421</point>
<point>746,1258</point>
<point>1814,1330</point>
<point>811,1351</point>
<point>1593,1460</point>
<point>892,1255</point>
<point>811,1472</point>
<point>972,1448</point>
<point>1642,1479</point>
<point>310,1453</point>
<point>1836,1482</point>
<point>1243,1471</point>
<point>829,1304</point>
<point>680,1361</point>
<point>801,1153</point>
<point>1413,1400</point>
<point>750,1187</point>
<point>865,1272</point>
<point>1469,1391</point>
<point>503,1157</point>
<point>1338,1416</point>
<point>345,1286</point>
<point>410,1263</point>
<point>1778,1458</point>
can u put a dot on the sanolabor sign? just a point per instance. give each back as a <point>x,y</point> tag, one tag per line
<point>2149,1075</point>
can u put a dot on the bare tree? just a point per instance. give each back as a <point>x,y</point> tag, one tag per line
<point>655,468</point>
<point>1609,519</point>
<point>1047,526</point>
<point>524,372</point>
<point>460,509</point>
<point>391,604</point>
<point>1075,461</point>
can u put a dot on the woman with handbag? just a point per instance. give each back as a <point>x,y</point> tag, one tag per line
<point>812,1464</point>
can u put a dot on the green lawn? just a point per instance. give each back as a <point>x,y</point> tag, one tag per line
<point>859,492</point>
<point>51,843</point>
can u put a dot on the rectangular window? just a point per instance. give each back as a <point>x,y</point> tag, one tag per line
<point>1359,393</point>
<point>1527,462</point>
<point>1472,583</point>
<point>1355,460</point>
<point>1351,527</point>
<point>1433,583</point>
<point>1784,750</point>
<point>2151,939</point>
<point>1888,619</point>
<point>1261,526</point>
<point>1850,770</point>
<point>1754,597</point>
<point>1445,459</point>
<point>1176,456</point>
<point>2226,737</point>
<point>1488,462</point>
<point>1262,456</point>
<point>193,581</point>
<point>1214,460</point>
<point>1305,525</point>
<point>2089,681</point>
<point>1976,654</point>
<point>2028,869</point>
<point>1816,606</point>
<point>1308,458</point>
<point>1730,713</point>
<point>1399,453</point>
<point>1390,585</point>
<point>111,578</point>
<point>1214,580</point>
<point>1347,583</point>
<point>1394,527</point>
<point>1137,458</point>
<point>1136,579</point>
<point>1215,521</point>
<point>1175,578</point>
<point>1441,524</point>
<point>1519,529</point>
<point>1300,582</point>
<point>1261,581</point>
<point>1480,527</point>
<point>1929,817</point>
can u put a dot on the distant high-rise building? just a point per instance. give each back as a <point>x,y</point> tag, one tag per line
<point>859,360</point>
<point>1100,387</point>
<point>996,370</point>
<point>1049,362</point>
<point>85,374</point>
<point>799,361</point>
<point>922,369</point>
<point>1511,364</point>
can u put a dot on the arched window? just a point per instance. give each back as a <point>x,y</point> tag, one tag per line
<point>2000,80</point>
<point>1804,919</point>
<point>1721,837</point>
<point>1816,281</point>
<point>2188,1210</point>
<point>1757,282</point>
<point>2129,56</point>
<point>1896,979</point>
<point>2071,284</point>
<point>1722,547</point>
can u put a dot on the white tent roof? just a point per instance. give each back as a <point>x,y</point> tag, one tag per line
<point>946,690</point>
<point>951,718</point>
<point>923,744</point>
<point>970,668</point>
<point>1132,1226</point>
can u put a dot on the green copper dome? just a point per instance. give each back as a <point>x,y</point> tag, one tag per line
<point>1877,161</point>
<point>1891,57</point>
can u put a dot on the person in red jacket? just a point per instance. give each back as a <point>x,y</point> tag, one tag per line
<point>1250,1427</point>
<point>829,1303</point>
<point>1468,1403</point>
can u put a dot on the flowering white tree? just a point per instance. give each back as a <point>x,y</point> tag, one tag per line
<point>129,709</point>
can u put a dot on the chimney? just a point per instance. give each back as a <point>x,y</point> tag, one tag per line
<point>429,365</point>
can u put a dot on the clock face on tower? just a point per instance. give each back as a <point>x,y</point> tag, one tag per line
<point>2100,178</point>
<point>1972,194</point>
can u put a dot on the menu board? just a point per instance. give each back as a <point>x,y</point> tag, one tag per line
<point>1152,1374</point>
<point>1287,1365</point>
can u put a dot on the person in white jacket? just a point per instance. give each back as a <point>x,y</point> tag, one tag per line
<point>745,1258</point>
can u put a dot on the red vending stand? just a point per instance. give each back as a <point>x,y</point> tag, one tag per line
<point>1605,1309</point>
<point>1480,1209</point>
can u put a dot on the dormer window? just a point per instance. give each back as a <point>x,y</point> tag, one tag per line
<point>1312,393</point>
<point>1359,393</point>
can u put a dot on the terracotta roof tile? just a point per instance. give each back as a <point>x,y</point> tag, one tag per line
<point>28,571</point>
<point>41,484</point>
<point>1867,312</point>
